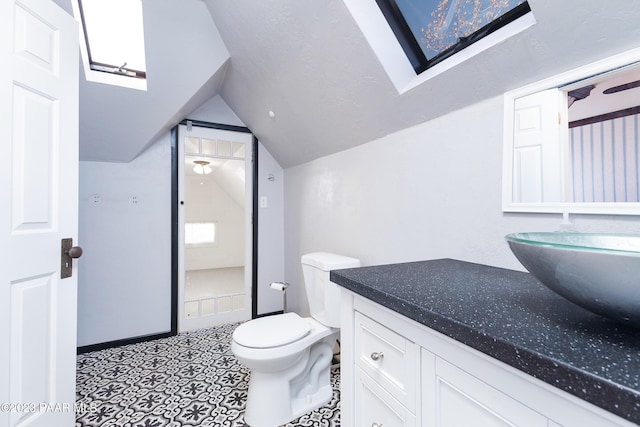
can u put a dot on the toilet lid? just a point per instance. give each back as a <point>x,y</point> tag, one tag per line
<point>271,331</point>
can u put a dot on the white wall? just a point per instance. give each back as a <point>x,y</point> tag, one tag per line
<point>216,110</point>
<point>427,192</point>
<point>124,279</point>
<point>270,232</point>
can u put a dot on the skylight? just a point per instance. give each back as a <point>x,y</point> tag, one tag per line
<point>114,36</point>
<point>430,31</point>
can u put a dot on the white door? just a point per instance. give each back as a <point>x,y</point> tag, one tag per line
<point>38,208</point>
<point>216,199</point>
<point>538,147</point>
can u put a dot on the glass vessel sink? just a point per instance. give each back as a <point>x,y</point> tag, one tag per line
<point>600,272</point>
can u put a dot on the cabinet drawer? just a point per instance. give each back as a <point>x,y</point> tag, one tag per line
<point>389,359</point>
<point>376,407</point>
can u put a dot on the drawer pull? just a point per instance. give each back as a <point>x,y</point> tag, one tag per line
<point>376,425</point>
<point>375,356</point>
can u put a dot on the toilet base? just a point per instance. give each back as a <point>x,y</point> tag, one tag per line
<point>274,399</point>
<point>303,405</point>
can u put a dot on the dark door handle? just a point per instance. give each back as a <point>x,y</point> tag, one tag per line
<point>75,252</point>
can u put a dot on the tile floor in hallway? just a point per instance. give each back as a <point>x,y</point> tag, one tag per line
<point>191,379</point>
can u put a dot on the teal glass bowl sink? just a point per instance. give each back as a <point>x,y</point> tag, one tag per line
<point>599,272</point>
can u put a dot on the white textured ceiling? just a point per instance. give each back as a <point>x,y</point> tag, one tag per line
<point>307,61</point>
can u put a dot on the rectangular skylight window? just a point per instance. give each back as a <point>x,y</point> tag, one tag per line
<point>114,36</point>
<point>430,31</point>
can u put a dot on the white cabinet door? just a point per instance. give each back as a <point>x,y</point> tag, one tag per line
<point>454,398</point>
<point>38,208</point>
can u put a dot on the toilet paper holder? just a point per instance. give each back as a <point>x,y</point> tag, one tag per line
<point>282,287</point>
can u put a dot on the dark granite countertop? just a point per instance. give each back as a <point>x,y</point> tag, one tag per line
<point>510,316</point>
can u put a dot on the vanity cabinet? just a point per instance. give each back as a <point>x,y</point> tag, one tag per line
<point>386,375</point>
<point>397,372</point>
<point>453,398</point>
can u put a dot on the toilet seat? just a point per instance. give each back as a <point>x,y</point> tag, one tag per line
<point>271,331</point>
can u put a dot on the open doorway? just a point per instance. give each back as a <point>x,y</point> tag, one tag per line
<point>215,232</point>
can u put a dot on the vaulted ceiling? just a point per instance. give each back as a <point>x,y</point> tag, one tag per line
<point>186,62</point>
<point>309,63</point>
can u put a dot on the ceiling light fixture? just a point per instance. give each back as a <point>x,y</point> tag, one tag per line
<point>201,167</point>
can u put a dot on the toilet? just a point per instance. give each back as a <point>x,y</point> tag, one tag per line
<point>290,356</point>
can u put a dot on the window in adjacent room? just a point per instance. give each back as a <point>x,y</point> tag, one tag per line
<point>430,31</point>
<point>114,41</point>
<point>199,233</point>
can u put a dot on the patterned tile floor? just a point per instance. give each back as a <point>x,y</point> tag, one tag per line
<point>191,379</point>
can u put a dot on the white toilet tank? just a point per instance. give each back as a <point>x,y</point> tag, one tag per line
<point>322,294</point>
